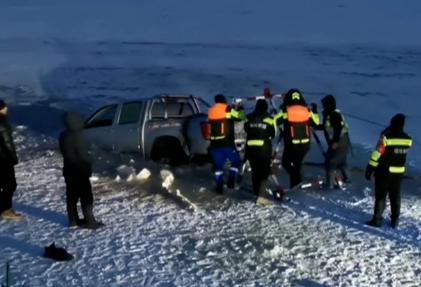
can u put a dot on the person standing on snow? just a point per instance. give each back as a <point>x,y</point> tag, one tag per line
<point>77,170</point>
<point>260,129</point>
<point>296,119</point>
<point>388,165</point>
<point>336,132</point>
<point>221,118</point>
<point>8,160</point>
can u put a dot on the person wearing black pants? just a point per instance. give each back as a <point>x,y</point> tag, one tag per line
<point>296,119</point>
<point>77,170</point>
<point>388,165</point>
<point>336,132</point>
<point>292,161</point>
<point>260,129</point>
<point>8,160</point>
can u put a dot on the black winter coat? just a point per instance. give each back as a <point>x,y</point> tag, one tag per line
<point>76,159</point>
<point>8,154</point>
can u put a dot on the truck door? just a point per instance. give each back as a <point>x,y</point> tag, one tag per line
<point>99,127</point>
<point>128,129</point>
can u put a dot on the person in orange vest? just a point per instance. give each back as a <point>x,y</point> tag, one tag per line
<point>296,119</point>
<point>222,118</point>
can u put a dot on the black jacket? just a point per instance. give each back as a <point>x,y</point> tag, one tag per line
<point>76,159</point>
<point>260,126</point>
<point>8,154</point>
<point>335,119</point>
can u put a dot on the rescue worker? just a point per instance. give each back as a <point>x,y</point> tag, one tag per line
<point>336,132</point>
<point>221,118</point>
<point>388,165</point>
<point>296,119</point>
<point>260,129</point>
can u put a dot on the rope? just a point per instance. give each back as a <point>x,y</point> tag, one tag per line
<point>374,123</point>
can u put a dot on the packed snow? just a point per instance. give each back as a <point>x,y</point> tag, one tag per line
<point>165,226</point>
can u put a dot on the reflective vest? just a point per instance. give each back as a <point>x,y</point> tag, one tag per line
<point>261,131</point>
<point>328,126</point>
<point>298,120</point>
<point>390,155</point>
<point>222,126</point>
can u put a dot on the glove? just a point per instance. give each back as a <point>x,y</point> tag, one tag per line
<point>314,108</point>
<point>369,172</point>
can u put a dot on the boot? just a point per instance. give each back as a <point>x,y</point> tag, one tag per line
<point>264,198</point>
<point>72,215</point>
<point>374,223</point>
<point>10,214</point>
<point>219,188</point>
<point>91,222</point>
<point>379,206</point>
<point>232,184</point>
<point>78,222</point>
<point>395,222</point>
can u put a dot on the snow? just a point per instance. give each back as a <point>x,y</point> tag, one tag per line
<point>57,56</point>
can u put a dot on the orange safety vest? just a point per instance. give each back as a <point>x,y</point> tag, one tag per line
<point>299,120</point>
<point>218,121</point>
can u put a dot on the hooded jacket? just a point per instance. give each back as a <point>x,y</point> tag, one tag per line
<point>8,154</point>
<point>332,118</point>
<point>390,154</point>
<point>76,159</point>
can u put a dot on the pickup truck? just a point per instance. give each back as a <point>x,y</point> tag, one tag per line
<point>172,127</point>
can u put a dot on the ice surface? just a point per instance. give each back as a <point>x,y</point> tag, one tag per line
<point>57,56</point>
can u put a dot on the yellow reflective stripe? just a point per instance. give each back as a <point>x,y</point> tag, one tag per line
<point>315,118</point>
<point>218,138</point>
<point>300,141</point>
<point>397,142</point>
<point>343,123</point>
<point>236,114</point>
<point>268,121</point>
<point>241,115</point>
<point>280,115</point>
<point>373,163</point>
<point>255,143</point>
<point>375,155</point>
<point>396,169</point>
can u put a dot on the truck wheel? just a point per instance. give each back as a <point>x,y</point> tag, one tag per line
<point>169,150</point>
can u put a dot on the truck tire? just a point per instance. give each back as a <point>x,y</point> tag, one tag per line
<point>169,150</point>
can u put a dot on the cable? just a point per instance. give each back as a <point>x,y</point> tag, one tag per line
<point>373,123</point>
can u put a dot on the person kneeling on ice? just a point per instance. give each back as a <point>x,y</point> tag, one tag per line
<point>8,160</point>
<point>77,169</point>
<point>260,129</point>
<point>296,119</point>
<point>388,165</point>
<point>221,118</point>
<point>336,133</point>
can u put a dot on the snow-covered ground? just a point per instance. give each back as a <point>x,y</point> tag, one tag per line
<point>56,56</point>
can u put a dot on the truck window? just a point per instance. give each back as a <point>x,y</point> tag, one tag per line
<point>130,113</point>
<point>103,117</point>
<point>176,109</point>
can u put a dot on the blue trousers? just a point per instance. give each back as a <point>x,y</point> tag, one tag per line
<point>220,157</point>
